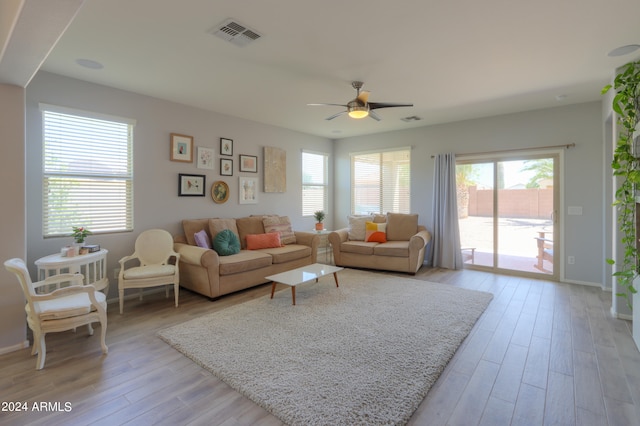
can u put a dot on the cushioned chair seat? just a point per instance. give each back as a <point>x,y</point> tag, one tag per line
<point>288,253</point>
<point>359,247</point>
<point>69,306</point>
<point>392,249</point>
<point>151,271</point>
<point>246,260</point>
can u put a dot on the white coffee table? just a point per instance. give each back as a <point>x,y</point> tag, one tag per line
<point>302,275</point>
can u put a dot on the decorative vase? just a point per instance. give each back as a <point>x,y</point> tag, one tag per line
<point>319,226</point>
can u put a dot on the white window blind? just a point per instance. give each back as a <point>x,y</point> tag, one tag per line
<point>87,173</point>
<point>314,182</point>
<point>380,182</point>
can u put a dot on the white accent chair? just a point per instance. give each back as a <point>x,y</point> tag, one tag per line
<point>62,309</point>
<point>153,251</point>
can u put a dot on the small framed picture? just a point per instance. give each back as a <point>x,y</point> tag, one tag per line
<point>226,146</point>
<point>248,163</point>
<point>220,192</point>
<point>226,167</point>
<point>191,185</point>
<point>181,148</point>
<point>205,158</point>
<point>248,190</point>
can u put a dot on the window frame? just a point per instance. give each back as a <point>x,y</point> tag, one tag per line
<point>108,183</point>
<point>324,185</point>
<point>384,204</point>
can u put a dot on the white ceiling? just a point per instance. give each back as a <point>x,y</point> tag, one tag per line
<point>453,59</point>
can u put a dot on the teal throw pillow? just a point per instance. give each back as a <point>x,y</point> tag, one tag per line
<point>226,243</point>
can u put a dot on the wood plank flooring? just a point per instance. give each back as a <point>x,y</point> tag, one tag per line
<point>543,353</point>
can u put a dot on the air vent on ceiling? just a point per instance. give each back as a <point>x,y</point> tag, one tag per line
<point>236,33</point>
<point>412,118</point>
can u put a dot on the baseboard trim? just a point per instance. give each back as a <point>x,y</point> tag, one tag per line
<point>14,348</point>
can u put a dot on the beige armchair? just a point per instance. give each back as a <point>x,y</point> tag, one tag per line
<point>153,253</point>
<point>64,308</point>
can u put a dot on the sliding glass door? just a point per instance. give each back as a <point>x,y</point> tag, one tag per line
<point>506,210</point>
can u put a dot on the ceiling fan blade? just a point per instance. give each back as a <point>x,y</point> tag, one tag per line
<point>374,115</point>
<point>336,115</point>
<point>376,105</point>
<point>327,105</point>
<point>364,96</point>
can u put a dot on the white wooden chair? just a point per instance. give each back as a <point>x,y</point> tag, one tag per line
<point>153,251</point>
<point>62,309</point>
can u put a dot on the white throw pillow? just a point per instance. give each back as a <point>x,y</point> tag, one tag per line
<point>357,225</point>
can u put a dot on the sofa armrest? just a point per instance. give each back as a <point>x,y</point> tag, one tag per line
<point>339,236</point>
<point>307,238</point>
<point>195,255</point>
<point>420,240</point>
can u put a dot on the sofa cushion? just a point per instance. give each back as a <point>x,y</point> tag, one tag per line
<point>202,239</point>
<point>357,227</point>
<point>375,232</point>
<point>392,249</point>
<point>245,260</point>
<point>288,253</point>
<point>263,241</point>
<point>401,227</point>
<point>359,247</point>
<point>282,225</point>
<point>226,243</point>
<point>379,218</point>
<point>191,226</point>
<point>249,225</point>
<point>217,225</point>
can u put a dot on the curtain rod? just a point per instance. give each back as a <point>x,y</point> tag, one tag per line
<point>567,146</point>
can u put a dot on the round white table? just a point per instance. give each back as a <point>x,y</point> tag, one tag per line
<point>92,265</point>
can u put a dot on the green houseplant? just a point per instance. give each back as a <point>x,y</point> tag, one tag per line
<point>625,165</point>
<point>80,233</point>
<point>319,215</point>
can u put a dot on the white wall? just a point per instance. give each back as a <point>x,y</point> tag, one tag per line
<point>13,325</point>
<point>156,200</point>
<point>583,168</point>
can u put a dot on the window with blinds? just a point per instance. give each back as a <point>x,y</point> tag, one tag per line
<point>87,172</point>
<point>380,182</point>
<point>314,182</point>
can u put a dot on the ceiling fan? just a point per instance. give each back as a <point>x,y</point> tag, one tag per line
<point>360,107</point>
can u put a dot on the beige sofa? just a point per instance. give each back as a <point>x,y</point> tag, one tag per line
<point>399,245</point>
<point>206,272</point>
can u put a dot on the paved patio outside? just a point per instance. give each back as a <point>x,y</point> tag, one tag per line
<point>517,246</point>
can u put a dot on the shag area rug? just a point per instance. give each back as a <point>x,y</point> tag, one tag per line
<point>365,353</point>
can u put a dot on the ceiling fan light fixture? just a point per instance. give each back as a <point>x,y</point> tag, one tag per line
<point>358,112</point>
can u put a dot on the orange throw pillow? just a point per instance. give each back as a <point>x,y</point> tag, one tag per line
<point>262,241</point>
<point>375,232</point>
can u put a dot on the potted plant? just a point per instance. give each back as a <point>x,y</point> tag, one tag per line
<point>80,233</point>
<point>625,165</point>
<point>319,215</point>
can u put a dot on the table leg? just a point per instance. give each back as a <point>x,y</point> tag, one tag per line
<point>293,294</point>
<point>273,288</point>
<point>335,277</point>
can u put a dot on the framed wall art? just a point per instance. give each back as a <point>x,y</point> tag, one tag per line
<point>220,192</point>
<point>248,163</point>
<point>226,167</point>
<point>191,185</point>
<point>226,146</point>
<point>205,158</point>
<point>275,169</point>
<point>181,148</point>
<point>248,190</point>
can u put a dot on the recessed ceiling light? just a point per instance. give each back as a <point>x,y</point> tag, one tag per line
<point>88,63</point>
<point>624,50</point>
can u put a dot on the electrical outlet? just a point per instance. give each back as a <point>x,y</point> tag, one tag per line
<point>571,260</point>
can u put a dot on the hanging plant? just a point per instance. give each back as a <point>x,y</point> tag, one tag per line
<point>625,165</point>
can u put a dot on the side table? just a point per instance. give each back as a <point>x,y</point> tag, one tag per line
<point>326,245</point>
<point>92,265</point>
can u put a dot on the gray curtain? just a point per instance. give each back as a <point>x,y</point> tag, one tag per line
<point>445,251</point>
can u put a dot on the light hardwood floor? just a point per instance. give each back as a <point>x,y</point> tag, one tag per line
<point>542,353</point>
